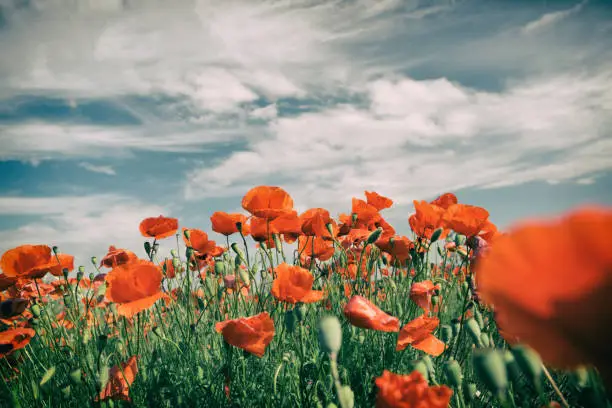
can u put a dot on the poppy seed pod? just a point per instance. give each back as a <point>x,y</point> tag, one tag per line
<point>330,334</point>
<point>474,330</point>
<point>490,367</point>
<point>452,372</point>
<point>530,363</point>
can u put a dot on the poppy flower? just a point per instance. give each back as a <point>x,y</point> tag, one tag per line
<point>377,201</point>
<point>315,247</point>
<point>544,277</point>
<point>445,200</point>
<point>293,284</point>
<point>398,247</point>
<point>362,313</point>
<point>6,282</point>
<point>421,292</point>
<point>225,223</point>
<point>158,227</point>
<point>119,381</point>
<point>489,232</point>
<point>365,213</point>
<point>465,219</point>
<point>14,339</point>
<point>314,222</point>
<point>252,334</point>
<point>167,266</point>
<point>24,261</point>
<point>13,307</point>
<point>57,265</point>
<point>417,333</point>
<point>267,202</point>
<point>410,391</point>
<point>134,287</point>
<point>426,219</point>
<point>387,229</point>
<point>198,240</point>
<point>116,257</point>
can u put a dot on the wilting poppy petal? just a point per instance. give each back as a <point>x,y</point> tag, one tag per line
<point>362,313</point>
<point>158,227</point>
<point>252,334</point>
<point>417,333</point>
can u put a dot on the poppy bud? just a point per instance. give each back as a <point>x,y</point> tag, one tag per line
<point>187,234</point>
<point>330,334</point>
<point>512,368</point>
<point>490,368</point>
<point>79,276</point>
<point>67,300</point>
<point>354,217</point>
<point>75,376</point>
<point>300,311</point>
<point>211,286</point>
<point>244,275</point>
<point>446,333</point>
<point>287,357</point>
<point>430,366</point>
<point>47,376</point>
<point>469,391</point>
<point>55,250</point>
<point>36,310</point>
<point>346,397</point>
<point>176,263</point>
<point>290,320</point>
<point>474,330</point>
<point>581,377</point>
<point>189,253</point>
<point>530,363</point>
<point>65,272</point>
<point>373,237</point>
<point>452,372</point>
<point>478,317</point>
<point>91,277</point>
<point>229,281</point>
<point>219,268</point>
<point>94,260</point>
<point>35,390</point>
<point>459,239</point>
<point>484,340</point>
<point>435,300</point>
<point>103,376</point>
<point>421,367</point>
<point>456,326</point>
<point>436,235</point>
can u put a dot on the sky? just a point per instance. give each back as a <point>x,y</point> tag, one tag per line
<point>113,111</point>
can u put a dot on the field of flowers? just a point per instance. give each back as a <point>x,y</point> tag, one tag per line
<point>321,312</point>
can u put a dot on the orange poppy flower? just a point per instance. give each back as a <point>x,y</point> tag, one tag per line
<point>366,213</point>
<point>387,229</point>
<point>134,287</point>
<point>315,247</point>
<point>398,247</point>
<point>417,333</point>
<point>158,227</point>
<point>14,339</point>
<point>57,268</point>
<point>6,282</point>
<point>198,240</point>
<point>120,380</point>
<point>489,232</point>
<point>252,334</point>
<point>445,200</point>
<point>421,292</point>
<point>267,202</point>
<point>116,257</point>
<point>293,284</point>
<point>377,201</point>
<point>465,219</point>
<point>362,313</point>
<point>426,219</point>
<point>544,278</point>
<point>410,391</point>
<point>314,222</point>
<point>23,261</point>
<point>225,223</point>
<point>168,267</point>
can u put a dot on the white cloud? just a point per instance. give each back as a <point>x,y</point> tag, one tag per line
<point>421,138</point>
<point>81,226</point>
<point>108,170</point>
<point>552,18</point>
<point>266,112</point>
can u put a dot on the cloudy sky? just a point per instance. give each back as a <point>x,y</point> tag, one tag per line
<point>112,111</point>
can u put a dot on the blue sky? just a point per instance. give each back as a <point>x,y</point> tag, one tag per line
<point>112,111</point>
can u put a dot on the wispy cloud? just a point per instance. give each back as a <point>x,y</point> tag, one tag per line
<point>108,170</point>
<point>550,19</point>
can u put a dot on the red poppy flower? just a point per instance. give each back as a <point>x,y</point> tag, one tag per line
<point>315,247</point>
<point>134,287</point>
<point>225,223</point>
<point>14,339</point>
<point>267,202</point>
<point>366,214</point>
<point>119,381</point>
<point>410,391</point>
<point>421,292</point>
<point>445,200</point>
<point>24,261</point>
<point>293,284</point>
<point>252,334</point>
<point>198,240</point>
<point>6,282</point>
<point>117,256</point>
<point>12,307</point>
<point>158,227</point>
<point>417,334</point>
<point>362,313</point>
<point>377,201</point>
<point>426,220</point>
<point>398,247</point>
<point>465,219</point>
<point>544,278</point>
<point>314,222</point>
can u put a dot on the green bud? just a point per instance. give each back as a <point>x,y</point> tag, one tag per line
<point>446,333</point>
<point>55,250</point>
<point>373,237</point>
<point>219,268</point>
<point>238,252</point>
<point>514,373</point>
<point>176,263</point>
<point>421,367</point>
<point>436,235</point>
<point>76,376</point>
<point>430,366</point>
<point>456,325</point>
<point>484,340</point>
<point>173,253</point>
<point>35,390</point>
<point>187,234</point>
<point>530,363</point>
<point>459,239</point>
<point>300,311</point>
<point>478,317</point>
<point>580,376</point>
<point>452,372</point>
<point>469,392</point>
<point>330,334</point>
<point>435,300</point>
<point>346,397</point>
<point>36,310</point>
<point>66,391</point>
<point>244,275</point>
<point>474,330</point>
<point>94,261</point>
<point>103,376</point>
<point>65,272</point>
<point>91,277</point>
<point>490,367</point>
<point>47,376</point>
<point>147,248</point>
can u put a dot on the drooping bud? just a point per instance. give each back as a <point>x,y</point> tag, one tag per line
<point>469,392</point>
<point>187,234</point>
<point>436,235</point>
<point>147,248</point>
<point>330,334</point>
<point>530,363</point>
<point>490,367</point>
<point>244,276</point>
<point>374,235</point>
<point>238,252</point>
<point>94,260</point>
<point>474,330</point>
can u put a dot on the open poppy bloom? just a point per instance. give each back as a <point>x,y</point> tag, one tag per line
<point>410,391</point>
<point>366,214</point>
<point>314,222</point>
<point>545,278</point>
<point>417,334</point>
<point>445,200</point>
<point>25,261</point>
<point>198,240</point>
<point>134,287</point>
<point>158,227</point>
<point>225,223</point>
<point>362,313</point>
<point>12,307</point>
<point>252,334</point>
<point>117,256</point>
<point>377,201</point>
<point>57,265</point>
<point>421,292</point>
<point>119,381</point>
<point>267,202</point>
<point>6,282</point>
<point>315,247</point>
<point>426,219</point>
<point>14,339</point>
<point>465,219</point>
<point>397,246</point>
<point>293,284</point>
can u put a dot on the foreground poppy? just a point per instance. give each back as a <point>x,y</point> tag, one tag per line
<point>545,278</point>
<point>293,284</point>
<point>410,391</point>
<point>134,287</point>
<point>267,202</point>
<point>14,339</point>
<point>120,380</point>
<point>24,261</point>
<point>159,227</point>
<point>362,313</point>
<point>252,334</point>
<point>417,334</point>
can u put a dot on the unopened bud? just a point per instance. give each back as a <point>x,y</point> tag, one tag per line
<point>147,248</point>
<point>244,276</point>
<point>436,235</point>
<point>530,363</point>
<point>452,372</point>
<point>330,334</point>
<point>446,333</point>
<point>469,392</point>
<point>490,367</point>
<point>373,237</point>
<point>474,330</point>
<point>94,260</point>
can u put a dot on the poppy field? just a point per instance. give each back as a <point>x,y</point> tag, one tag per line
<point>283,309</point>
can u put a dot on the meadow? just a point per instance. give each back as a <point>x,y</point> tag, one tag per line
<point>310,310</point>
